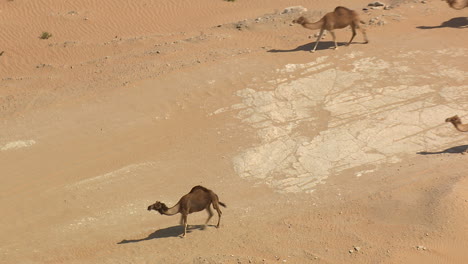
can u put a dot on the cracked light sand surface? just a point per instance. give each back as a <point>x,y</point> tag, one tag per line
<point>375,113</point>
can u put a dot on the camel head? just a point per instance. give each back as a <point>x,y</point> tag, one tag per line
<point>457,4</point>
<point>301,20</point>
<point>454,119</point>
<point>158,206</point>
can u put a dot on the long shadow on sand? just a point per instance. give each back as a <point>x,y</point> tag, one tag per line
<point>173,231</point>
<point>323,45</point>
<point>453,150</point>
<point>456,22</point>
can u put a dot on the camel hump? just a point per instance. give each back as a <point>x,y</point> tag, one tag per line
<point>341,8</point>
<point>199,187</point>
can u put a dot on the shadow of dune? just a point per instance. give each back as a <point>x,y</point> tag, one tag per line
<point>456,22</point>
<point>173,231</point>
<point>453,150</point>
<point>323,45</point>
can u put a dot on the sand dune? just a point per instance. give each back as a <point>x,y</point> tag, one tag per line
<point>341,156</point>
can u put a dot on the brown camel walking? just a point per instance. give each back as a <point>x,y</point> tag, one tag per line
<point>341,17</point>
<point>457,123</point>
<point>198,199</point>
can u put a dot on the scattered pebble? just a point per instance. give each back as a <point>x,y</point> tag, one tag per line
<point>421,248</point>
<point>357,248</point>
<point>294,9</point>
<point>377,3</point>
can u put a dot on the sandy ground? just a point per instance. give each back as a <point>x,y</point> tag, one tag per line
<point>338,156</point>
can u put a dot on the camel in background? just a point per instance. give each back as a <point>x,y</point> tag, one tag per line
<point>341,17</point>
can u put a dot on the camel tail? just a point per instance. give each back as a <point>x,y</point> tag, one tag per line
<point>222,204</point>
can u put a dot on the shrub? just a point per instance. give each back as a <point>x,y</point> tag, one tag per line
<point>45,35</point>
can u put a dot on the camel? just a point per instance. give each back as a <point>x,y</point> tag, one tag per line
<point>457,123</point>
<point>341,17</point>
<point>198,199</point>
<point>457,4</point>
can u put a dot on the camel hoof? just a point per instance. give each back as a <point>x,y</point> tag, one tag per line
<point>312,51</point>
<point>365,42</point>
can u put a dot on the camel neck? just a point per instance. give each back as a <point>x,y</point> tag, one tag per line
<point>461,127</point>
<point>173,210</point>
<point>316,25</point>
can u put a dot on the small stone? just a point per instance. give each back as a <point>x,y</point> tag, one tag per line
<point>357,248</point>
<point>294,9</point>
<point>421,248</point>
<point>377,3</point>
<point>351,251</point>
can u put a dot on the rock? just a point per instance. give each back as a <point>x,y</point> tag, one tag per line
<point>377,21</point>
<point>377,3</point>
<point>241,25</point>
<point>387,7</point>
<point>293,9</point>
<point>381,23</point>
<point>421,248</point>
<point>351,251</point>
<point>357,248</point>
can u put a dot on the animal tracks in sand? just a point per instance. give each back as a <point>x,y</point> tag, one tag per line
<point>322,118</point>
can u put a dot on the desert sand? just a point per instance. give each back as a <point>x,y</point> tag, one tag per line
<point>337,156</point>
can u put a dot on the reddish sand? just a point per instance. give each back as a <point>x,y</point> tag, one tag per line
<point>338,156</point>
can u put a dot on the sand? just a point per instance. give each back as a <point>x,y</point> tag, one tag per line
<point>337,156</point>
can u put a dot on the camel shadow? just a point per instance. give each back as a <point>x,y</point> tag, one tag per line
<point>453,150</point>
<point>323,45</point>
<point>173,231</point>
<point>456,22</point>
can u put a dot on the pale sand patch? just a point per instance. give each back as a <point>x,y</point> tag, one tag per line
<point>18,144</point>
<point>107,178</point>
<point>369,123</point>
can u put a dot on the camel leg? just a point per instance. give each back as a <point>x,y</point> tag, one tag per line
<point>363,31</point>
<point>216,206</point>
<point>352,37</point>
<point>184,222</point>
<point>334,38</point>
<point>318,40</point>
<point>210,214</point>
